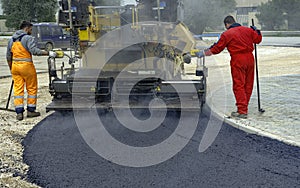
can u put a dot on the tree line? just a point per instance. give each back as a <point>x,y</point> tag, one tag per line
<point>33,10</point>
<point>203,15</point>
<point>36,10</point>
<point>279,15</point>
<point>200,15</point>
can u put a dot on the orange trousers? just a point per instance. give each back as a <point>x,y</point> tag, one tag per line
<point>24,74</point>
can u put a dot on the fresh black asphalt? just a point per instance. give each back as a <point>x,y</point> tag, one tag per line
<point>58,157</point>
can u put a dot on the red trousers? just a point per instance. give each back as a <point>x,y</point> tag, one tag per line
<point>242,72</point>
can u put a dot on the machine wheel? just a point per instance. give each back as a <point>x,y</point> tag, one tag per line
<point>49,46</point>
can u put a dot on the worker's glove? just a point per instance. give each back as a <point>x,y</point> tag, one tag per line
<point>200,54</point>
<point>52,54</point>
<point>255,29</point>
<point>187,58</point>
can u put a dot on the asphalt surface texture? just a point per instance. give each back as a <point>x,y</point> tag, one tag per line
<point>59,157</point>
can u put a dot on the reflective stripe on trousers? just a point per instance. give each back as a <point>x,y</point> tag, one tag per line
<point>24,72</point>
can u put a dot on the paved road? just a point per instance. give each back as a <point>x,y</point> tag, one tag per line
<point>281,41</point>
<point>58,157</point>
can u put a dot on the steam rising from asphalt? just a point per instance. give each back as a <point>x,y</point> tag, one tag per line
<point>98,137</point>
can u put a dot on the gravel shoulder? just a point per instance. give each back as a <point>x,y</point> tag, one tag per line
<point>12,169</point>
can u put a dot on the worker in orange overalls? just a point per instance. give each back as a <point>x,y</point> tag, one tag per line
<point>19,53</point>
<point>239,41</point>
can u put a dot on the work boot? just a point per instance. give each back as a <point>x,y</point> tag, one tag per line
<point>19,116</point>
<point>33,114</point>
<point>238,115</point>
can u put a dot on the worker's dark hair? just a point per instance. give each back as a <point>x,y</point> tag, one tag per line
<point>229,20</point>
<point>25,24</point>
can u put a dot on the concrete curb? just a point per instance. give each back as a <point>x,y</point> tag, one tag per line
<point>252,130</point>
<point>241,125</point>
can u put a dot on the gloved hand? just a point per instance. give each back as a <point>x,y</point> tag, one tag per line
<point>200,54</point>
<point>187,58</point>
<point>52,54</point>
<point>253,27</point>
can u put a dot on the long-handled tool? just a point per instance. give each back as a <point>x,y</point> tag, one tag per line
<point>257,80</point>
<point>8,99</point>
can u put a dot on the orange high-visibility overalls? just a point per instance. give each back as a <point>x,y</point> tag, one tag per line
<point>23,72</point>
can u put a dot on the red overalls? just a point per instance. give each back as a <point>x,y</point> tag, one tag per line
<point>23,71</point>
<point>239,42</point>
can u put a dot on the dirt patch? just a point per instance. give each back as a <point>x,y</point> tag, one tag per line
<point>3,42</point>
<point>12,169</point>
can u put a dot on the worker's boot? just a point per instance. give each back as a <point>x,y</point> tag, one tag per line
<point>33,114</point>
<point>20,116</point>
<point>238,115</point>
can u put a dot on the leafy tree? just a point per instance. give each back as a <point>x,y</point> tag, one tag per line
<point>201,14</point>
<point>2,17</point>
<point>32,10</point>
<point>273,14</point>
<point>36,10</point>
<point>270,16</point>
<point>291,13</point>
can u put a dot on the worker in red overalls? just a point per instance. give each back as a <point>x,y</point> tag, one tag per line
<point>19,53</point>
<point>239,41</point>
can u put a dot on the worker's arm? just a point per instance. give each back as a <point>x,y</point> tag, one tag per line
<point>214,49</point>
<point>256,35</point>
<point>29,43</point>
<point>217,47</point>
<point>34,50</point>
<point>9,54</point>
<point>9,64</point>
